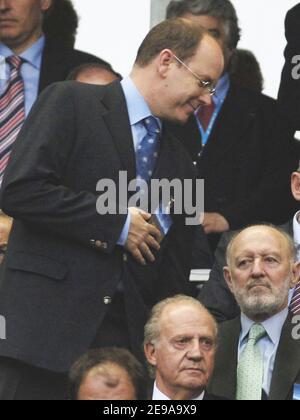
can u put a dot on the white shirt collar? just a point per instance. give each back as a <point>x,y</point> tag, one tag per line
<point>273,326</point>
<point>296,228</point>
<point>159,396</point>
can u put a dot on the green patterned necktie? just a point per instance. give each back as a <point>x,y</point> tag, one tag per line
<point>250,370</point>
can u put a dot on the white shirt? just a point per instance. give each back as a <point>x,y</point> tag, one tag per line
<point>296,228</point>
<point>159,396</point>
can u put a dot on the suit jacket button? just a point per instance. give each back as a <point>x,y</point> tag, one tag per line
<point>104,245</point>
<point>93,242</point>
<point>125,258</point>
<point>98,244</point>
<point>107,300</point>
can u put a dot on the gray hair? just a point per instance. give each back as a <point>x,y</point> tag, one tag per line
<point>153,327</point>
<point>219,9</point>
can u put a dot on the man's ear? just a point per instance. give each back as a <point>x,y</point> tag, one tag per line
<point>228,278</point>
<point>150,353</point>
<point>164,61</point>
<point>45,5</point>
<point>296,275</point>
<point>295,185</point>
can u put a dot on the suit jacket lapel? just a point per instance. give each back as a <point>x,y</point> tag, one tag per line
<point>224,381</point>
<point>117,121</point>
<point>287,364</point>
<point>232,122</point>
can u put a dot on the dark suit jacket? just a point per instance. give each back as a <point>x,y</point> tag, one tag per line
<point>63,259</point>
<point>215,294</point>
<point>247,162</point>
<point>289,91</point>
<point>286,370</point>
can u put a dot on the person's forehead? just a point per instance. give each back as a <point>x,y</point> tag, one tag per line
<point>259,240</point>
<point>178,319</point>
<point>208,59</point>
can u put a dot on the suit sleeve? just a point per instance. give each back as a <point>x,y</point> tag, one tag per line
<point>35,190</point>
<point>289,91</point>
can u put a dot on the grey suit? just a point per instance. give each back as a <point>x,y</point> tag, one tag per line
<point>286,370</point>
<point>215,294</point>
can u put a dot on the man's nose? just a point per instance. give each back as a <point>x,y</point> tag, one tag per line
<point>205,98</point>
<point>4,5</point>
<point>195,352</point>
<point>257,269</point>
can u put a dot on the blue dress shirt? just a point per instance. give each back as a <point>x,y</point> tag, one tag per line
<point>138,110</point>
<point>268,345</point>
<point>30,70</point>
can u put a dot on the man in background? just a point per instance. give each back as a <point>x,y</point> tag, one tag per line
<point>241,151</point>
<point>258,355</point>
<point>37,53</point>
<point>289,92</point>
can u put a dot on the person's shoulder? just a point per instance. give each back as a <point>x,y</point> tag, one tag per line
<point>293,14</point>
<point>86,57</point>
<point>72,91</point>
<point>228,327</point>
<point>252,97</point>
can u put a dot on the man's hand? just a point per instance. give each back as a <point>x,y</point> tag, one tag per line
<point>5,228</point>
<point>215,223</point>
<point>142,237</point>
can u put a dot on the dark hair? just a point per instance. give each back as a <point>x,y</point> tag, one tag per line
<point>73,75</point>
<point>61,23</point>
<point>179,35</point>
<point>219,9</point>
<point>118,356</point>
<point>245,71</point>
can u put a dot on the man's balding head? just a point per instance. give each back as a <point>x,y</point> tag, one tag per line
<point>261,270</point>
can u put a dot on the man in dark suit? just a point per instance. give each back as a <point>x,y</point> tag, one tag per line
<point>259,353</point>
<point>289,92</point>
<point>180,344</point>
<point>78,275</point>
<point>26,31</point>
<point>215,294</point>
<point>238,145</point>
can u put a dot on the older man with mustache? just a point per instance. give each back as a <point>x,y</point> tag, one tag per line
<point>262,355</point>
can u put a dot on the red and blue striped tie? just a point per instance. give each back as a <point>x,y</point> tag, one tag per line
<point>12,112</point>
<point>295,303</point>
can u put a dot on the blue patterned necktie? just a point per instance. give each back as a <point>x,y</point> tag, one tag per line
<point>146,159</point>
<point>147,152</point>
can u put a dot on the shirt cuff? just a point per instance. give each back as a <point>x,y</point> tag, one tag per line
<point>124,235</point>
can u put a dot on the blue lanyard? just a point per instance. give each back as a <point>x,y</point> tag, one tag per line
<point>206,134</point>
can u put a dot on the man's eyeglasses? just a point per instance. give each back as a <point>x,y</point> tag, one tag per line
<point>204,84</point>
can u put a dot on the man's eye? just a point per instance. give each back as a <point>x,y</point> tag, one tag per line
<point>215,33</point>
<point>244,263</point>
<point>271,260</point>
<point>207,344</point>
